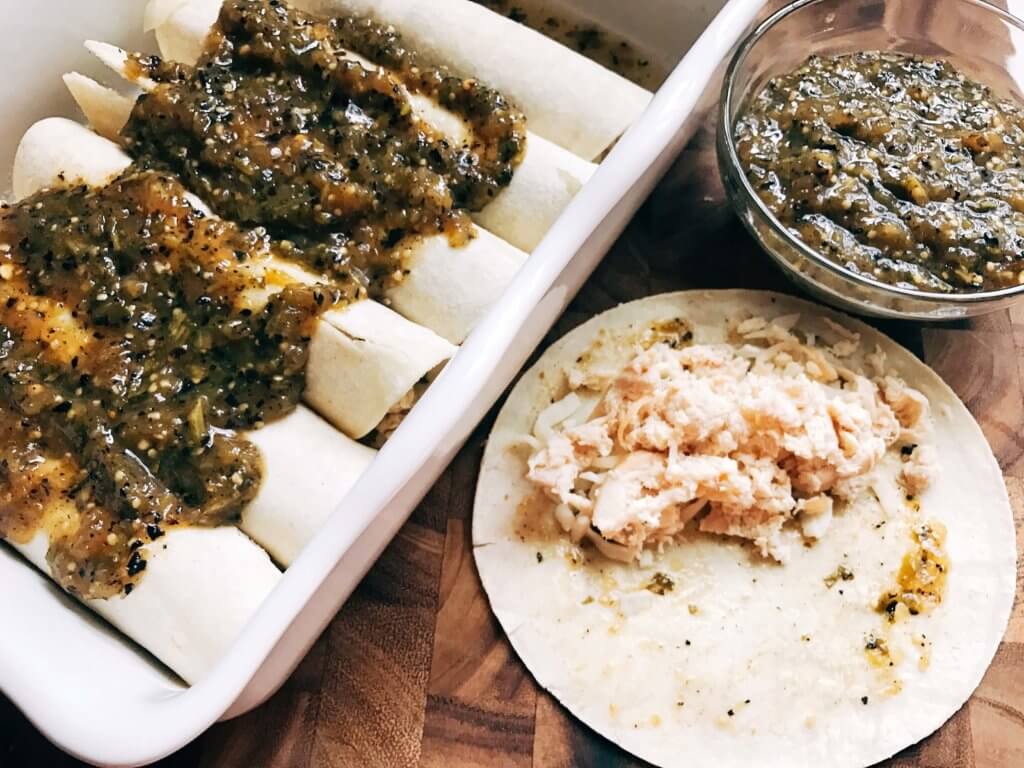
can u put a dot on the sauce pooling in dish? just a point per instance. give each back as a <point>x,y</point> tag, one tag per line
<point>898,167</point>
<point>136,336</point>
<point>583,36</point>
<point>140,336</point>
<point>284,123</point>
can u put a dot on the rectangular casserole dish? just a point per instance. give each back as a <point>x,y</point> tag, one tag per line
<point>106,701</point>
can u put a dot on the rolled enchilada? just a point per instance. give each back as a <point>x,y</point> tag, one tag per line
<point>364,358</point>
<point>568,99</point>
<point>544,183</point>
<point>202,586</point>
<point>518,191</point>
<point>182,592</point>
<point>444,288</point>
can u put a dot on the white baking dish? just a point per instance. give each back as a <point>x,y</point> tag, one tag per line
<point>99,697</point>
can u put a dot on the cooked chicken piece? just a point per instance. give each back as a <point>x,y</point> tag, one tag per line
<point>919,470</point>
<point>908,405</point>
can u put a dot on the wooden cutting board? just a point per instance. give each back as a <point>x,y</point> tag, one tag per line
<point>415,670</point>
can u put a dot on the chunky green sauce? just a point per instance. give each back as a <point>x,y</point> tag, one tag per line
<point>130,352</point>
<point>899,167</point>
<point>278,125</point>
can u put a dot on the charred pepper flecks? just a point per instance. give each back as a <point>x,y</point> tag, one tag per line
<point>136,336</point>
<point>279,124</point>
<point>898,167</point>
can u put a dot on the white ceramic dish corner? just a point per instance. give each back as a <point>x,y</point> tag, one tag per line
<point>106,702</point>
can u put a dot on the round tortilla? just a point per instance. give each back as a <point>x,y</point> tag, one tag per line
<point>744,657</point>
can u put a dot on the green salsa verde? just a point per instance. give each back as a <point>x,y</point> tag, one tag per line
<point>899,167</point>
<point>280,125</point>
<point>131,353</point>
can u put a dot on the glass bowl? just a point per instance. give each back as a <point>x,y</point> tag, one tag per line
<point>979,39</point>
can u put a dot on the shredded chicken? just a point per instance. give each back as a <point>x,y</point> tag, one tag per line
<point>745,437</point>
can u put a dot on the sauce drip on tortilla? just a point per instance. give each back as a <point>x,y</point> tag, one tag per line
<point>131,352</point>
<point>282,124</point>
<point>921,579</point>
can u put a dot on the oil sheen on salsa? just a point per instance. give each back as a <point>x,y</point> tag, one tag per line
<point>284,124</point>
<point>135,341</point>
<point>140,336</point>
<point>899,167</point>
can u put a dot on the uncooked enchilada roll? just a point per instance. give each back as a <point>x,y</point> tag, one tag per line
<point>201,587</point>
<point>309,465</point>
<point>567,98</point>
<point>449,289</point>
<point>446,289</point>
<point>364,358</point>
<point>61,149</point>
<point>310,468</point>
<point>544,183</point>
<point>198,586</point>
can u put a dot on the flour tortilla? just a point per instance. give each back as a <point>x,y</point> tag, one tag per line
<point>308,472</point>
<point>158,11</point>
<point>543,185</point>
<point>181,26</point>
<point>56,148</point>
<point>368,365</point>
<point>661,681</point>
<point>546,180</point>
<point>106,110</point>
<point>567,98</point>
<point>449,289</point>
<point>200,588</point>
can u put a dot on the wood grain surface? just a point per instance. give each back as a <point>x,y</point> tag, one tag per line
<point>415,670</point>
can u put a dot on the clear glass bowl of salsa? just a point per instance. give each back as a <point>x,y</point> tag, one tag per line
<point>976,38</point>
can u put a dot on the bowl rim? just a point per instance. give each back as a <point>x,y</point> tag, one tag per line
<point>735,179</point>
